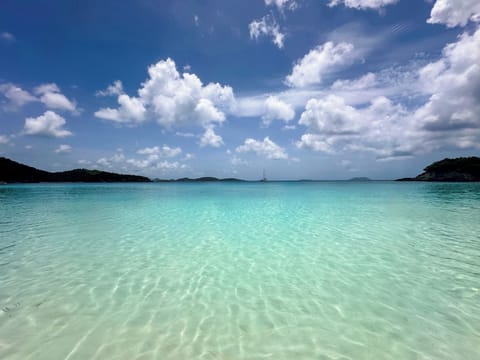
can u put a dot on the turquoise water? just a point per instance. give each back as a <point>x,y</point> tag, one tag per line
<point>336,270</point>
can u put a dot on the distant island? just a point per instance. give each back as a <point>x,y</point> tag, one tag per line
<point>14,172</point>
<point>453,170</point>
<point>359,179</point>
<point>200,179</point>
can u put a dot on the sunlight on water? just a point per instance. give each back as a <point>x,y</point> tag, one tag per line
<point>240,271</point>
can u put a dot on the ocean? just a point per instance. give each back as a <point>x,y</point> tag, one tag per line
<point>276,270</point>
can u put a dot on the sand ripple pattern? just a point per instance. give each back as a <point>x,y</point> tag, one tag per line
<point>240,271</point>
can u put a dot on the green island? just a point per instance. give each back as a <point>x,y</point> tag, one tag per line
<point>14,172</point>
<point>463,169</point>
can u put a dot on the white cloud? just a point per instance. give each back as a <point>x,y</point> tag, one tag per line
<point>116,160</point>
<point>152,163</point>
<point>382,127</point>
<point>17,97</point>
<point>363,4</point>
<point>48,94</point>
<point>282,4</point>
<point>209,138</point>
<point>173,100</point>
<point>196,20</point>
<point>164,151</point>
<point>46,88</point>
<point>4,139</point>
<point>104,162</point>
<point>448,119</point>
<point>455,12</point>
<point>7,37</point>
<point>185,134</point>
<point>52,98</point>
<point>330,115</point>
<point>267,26</point>
<point>131,110</point>
<point>276,109</point>
<point>57,101</point>
<point>453,83</point>
<point>48,124</point>
<point>63,149</point>
<point>236,161</point>
<point>114,89</point>
<point>266,148</point>
<point>322,60</point>
<point>315,142</point>
<point>206,112</point>
<point>365,82</point>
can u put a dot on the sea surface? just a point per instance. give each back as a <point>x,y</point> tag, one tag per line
<point>278,270</point>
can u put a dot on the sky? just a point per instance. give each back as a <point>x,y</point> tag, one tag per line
<point>303,89</point>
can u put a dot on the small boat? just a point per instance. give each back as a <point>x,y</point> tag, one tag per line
<point>264,178</point>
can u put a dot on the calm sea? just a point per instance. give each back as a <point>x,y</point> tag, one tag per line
<point>328,270</point>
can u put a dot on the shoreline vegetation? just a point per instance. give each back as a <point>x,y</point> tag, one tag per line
<point>465,169</point>
<point>14,172</point>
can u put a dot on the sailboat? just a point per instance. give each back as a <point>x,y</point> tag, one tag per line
<point>264,177</point>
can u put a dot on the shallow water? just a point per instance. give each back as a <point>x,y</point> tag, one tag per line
<point>330,270</point>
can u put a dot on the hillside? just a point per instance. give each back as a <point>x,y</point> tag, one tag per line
<point>14,172</point>
<point>452,170</point>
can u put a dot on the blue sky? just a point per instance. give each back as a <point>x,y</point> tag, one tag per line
<point>319,89</point>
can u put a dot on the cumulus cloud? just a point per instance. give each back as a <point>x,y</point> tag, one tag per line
<point>49,124</point>
<point>322,60</point>
<point>267,26</point>
<point>266,148</point>
<point>16,96</point>
<point>164,151</point>
<point>330,116</point>
<point>50,95</point>
<point>453,83</point>
<point>447,119</point>
<point>455,12</point>
<point>114,89</point>
<point>276,109</point>
<point>63,149</point>
<point>363,4</point>
<point>282,4</point>
<point>209,138</point>
<point>172,100</point>
<point>316,142</point>
<point>382,127</point>
<point>131,110</point>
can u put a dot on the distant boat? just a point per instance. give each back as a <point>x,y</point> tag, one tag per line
<point>264,177</point>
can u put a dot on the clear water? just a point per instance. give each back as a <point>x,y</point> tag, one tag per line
<point>240,271</point>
